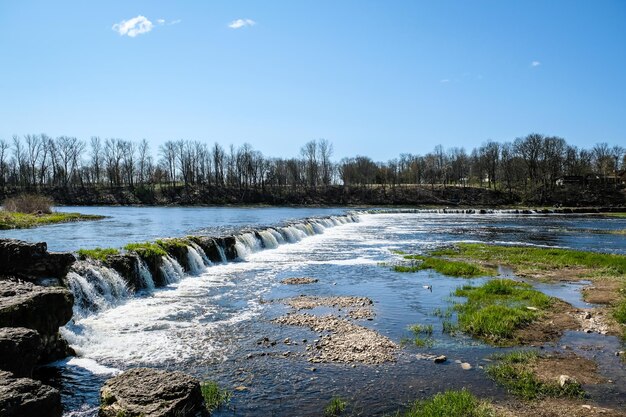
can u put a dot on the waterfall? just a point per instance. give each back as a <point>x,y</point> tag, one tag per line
<point>246,244</point>
<point>95,287</point>
<point>198,249</point>
<point>171,270</point>
<point>269,240</point>
<point>196,263</point>
<point>220,250</point>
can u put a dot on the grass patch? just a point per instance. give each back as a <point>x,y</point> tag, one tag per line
<point>335,407</point>
<point>173,244</point>
<point>619,215</point>
<point>495,310</point>
<point>99,254</point>
<point>526,259</point>
<point>421,329</point>
<point>146,249</point>
<point>214,396</point>
<point>514,371</point>
<point>620,312</point>
<point>14,220</point>
<point>443,266</point>
<point>450,404</point>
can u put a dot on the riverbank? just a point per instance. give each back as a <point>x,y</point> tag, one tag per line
<point>334,195</point>
<point>11,220</point>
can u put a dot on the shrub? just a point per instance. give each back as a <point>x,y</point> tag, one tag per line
<point>29,203</point>
<point>335,407</point>
<point>214,396</point>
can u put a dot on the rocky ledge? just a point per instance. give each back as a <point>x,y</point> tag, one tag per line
<point>152,393</point>
<point>25,397</point>
<point>43,309</point>
<point>32,261</point>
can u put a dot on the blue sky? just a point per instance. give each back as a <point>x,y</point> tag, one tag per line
<point>375,78</point>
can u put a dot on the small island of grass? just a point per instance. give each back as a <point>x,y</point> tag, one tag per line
<point>26,211</point>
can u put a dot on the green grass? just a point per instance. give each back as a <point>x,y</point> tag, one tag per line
<point>620,215</point>
<point>514,372</point>
<point>534,259</point>
<point>13,220</point>
<point>99,254</point>
<point>174,243</point>
<point>495,310</point>
<point>214,396</point>
<point>449,404</point>
<point>421,329</point>
<point>335,407</point>
<point>146,249</point>
<point>443,266</point>
<point>620,312</point>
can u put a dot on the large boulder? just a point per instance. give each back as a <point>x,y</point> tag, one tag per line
<point>20,349</point>
<point>43,309</point>
<point>32,260</point>
<point>152,393</point>
<point>25,397</point>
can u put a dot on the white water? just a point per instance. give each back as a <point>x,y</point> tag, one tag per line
<point>196,263</point>
<point>171,270</point>
<point>95,287</point>
<point>145,275</point>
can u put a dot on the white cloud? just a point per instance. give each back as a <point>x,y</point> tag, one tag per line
<point>161,21</point>
<point>240,23</point>
<point>175,22</point>
<point>535,64</point>
<point>133,27</point>
<point>445,80</point>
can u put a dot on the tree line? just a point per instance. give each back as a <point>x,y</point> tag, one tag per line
<point>530,163</point>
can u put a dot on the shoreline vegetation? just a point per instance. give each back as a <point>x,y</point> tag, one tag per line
<point>31,210</point>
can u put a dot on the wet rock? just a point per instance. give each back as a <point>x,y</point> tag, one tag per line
<point>19,350</point>
<point>346,341</point>
<point>43,309</point>
<point>440,359</point>
<point>25,397</point>
<point>152,393</point>
<point>566,380</point>
<point>127,265</point>
<point>357,307</point>
<point>299,281</point>
<point>466,366</point>
<point>32,260</point>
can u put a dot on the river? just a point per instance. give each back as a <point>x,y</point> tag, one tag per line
<point>209,324</point>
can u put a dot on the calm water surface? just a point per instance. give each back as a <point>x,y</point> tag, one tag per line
<point>209,324</point>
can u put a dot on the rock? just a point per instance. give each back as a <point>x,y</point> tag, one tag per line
<point>25,397</point>
<point>466,366</point>
<point>620,353</point>
<point>566,380</point>
<point>32,260</point>
<point>586,406</point>
<point>19,350</point>
<point>299,281</point>
<point>127,265</point>
<point>532,308</point>
<point>43,309</point>
<point>240,388</point>
<point>587,316</point>
<point>440,359</point>
<point>151,393</point>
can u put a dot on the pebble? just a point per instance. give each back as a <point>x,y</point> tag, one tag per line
<point>241,388</point>
<point>440,359</point>
<point>466,366</point>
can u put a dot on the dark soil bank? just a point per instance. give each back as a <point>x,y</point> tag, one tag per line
<point>331,195</point>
